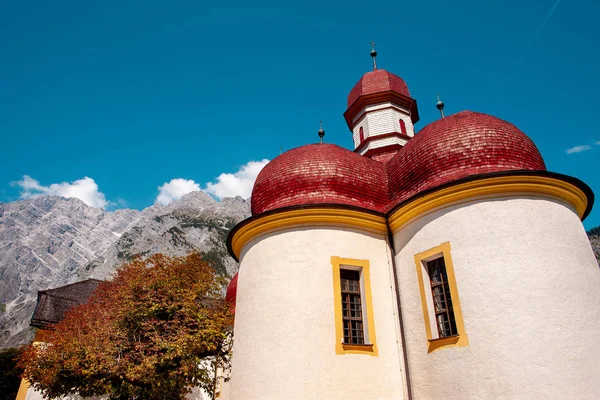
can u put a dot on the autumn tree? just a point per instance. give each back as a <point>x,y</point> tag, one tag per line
<point>150,333</point>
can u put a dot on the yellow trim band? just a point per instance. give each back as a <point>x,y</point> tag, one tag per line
<point>340,347</point>
<point>500,186</point>
<point>434,343</point>
<point>488,188</point>
<point>23,388</point>
<point>335,217</point>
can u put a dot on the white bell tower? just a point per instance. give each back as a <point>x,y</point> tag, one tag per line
<point>381,114</point>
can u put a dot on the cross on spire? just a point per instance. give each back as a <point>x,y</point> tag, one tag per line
<point>373,55</point>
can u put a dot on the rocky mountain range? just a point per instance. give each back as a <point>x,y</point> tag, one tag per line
<point>594,235</point>
<point>51,241</point>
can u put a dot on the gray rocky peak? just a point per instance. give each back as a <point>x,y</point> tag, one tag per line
<point>51,241</point>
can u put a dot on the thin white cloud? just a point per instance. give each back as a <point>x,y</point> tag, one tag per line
<point>122,203</point>
<point>578,149</point>
<point>239,183</point>
<point>84,189</point>
<point>175,189</point>
<point>226,185</point>
<point>538,31</point>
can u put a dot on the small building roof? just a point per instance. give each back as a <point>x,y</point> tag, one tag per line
<point>53,304</point>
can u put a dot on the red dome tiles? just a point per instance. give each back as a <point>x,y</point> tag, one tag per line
<point>452,148</point>
<point>231,294</point>
<point>320,174</point>
<point>377,81</point>
<point>458,146</point>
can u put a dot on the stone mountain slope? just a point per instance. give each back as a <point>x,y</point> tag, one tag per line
<point>594,235</point>
<point>50,241</point>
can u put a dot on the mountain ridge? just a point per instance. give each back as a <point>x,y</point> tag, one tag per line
<point>50,241</point>
<point>594,236</point>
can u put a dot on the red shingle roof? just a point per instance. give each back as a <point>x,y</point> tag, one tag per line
<point>459,146</point>
<point>456,147</point>
<point>320,174</point>
<point>377,81</point>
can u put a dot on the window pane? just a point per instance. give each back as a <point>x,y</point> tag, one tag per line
<point>442,301</point>
<point>351,307</point>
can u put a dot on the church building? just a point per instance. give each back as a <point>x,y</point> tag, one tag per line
<point>446,263</point>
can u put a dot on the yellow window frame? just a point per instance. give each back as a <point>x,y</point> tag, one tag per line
<point>341,348</point>
<point>421,259</point>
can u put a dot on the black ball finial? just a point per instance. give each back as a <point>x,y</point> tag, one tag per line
<point>440,105</point>
<point>321,132</point>
<point>373,55</point>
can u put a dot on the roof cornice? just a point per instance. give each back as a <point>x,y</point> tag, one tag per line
<point>382,97</point>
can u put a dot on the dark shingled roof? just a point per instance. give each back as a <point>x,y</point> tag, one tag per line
<point>53,304</point>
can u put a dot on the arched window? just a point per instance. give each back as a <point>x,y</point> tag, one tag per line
<point>361,134</point>
<point>402,126</point>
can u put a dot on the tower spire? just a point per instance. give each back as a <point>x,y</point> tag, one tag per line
<point>440,105</point>
<point>373,55</point>
<point>321,132</point>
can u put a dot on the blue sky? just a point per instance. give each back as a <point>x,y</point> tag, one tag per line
<point>135,94</point>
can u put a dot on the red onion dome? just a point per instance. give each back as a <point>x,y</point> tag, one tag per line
<point>377,81</point>
<point>458,146</point>
<point>320,174</point>
<point>231,294</point>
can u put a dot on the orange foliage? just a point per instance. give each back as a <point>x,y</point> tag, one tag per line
<point>143,335</point>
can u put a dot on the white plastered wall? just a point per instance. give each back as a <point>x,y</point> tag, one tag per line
<point>284,345</point>
<point>529,287</point>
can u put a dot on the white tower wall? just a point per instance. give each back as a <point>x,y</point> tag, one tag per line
<point>529,289</point>
<point>381,119</point>
<point>285,339</point>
